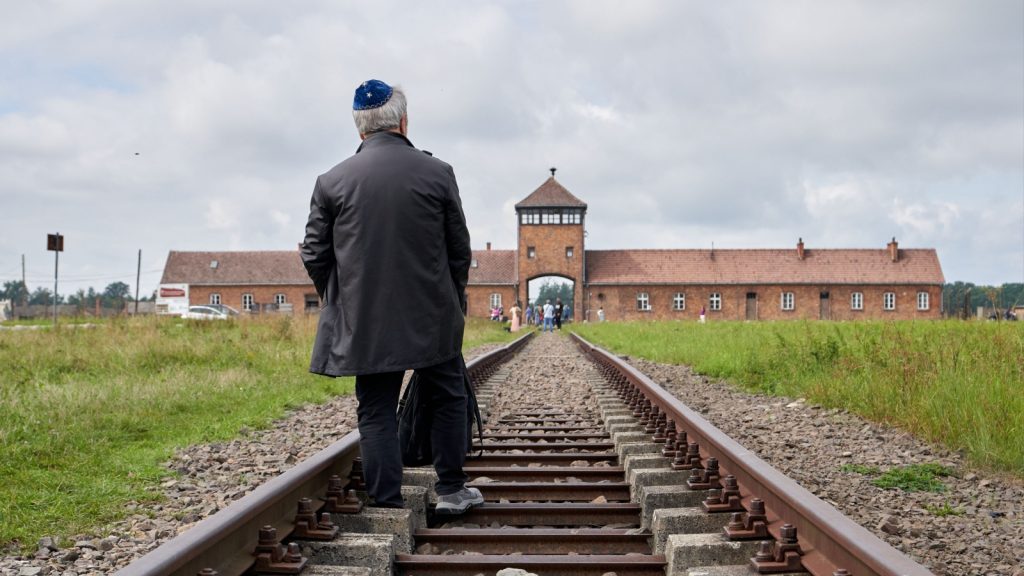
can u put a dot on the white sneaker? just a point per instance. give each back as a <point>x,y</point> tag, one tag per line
<point>459,502</point>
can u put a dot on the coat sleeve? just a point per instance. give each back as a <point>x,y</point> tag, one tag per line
<point>456,236</point>
<point>318,246</point>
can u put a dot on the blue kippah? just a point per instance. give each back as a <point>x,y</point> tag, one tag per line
<point>371,94</point>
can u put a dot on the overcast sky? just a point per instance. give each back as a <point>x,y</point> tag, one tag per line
<point>202,124</point>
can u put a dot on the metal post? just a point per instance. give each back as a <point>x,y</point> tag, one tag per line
<point>55,242</point>
<point>56,263</point>
<point>138,274</point>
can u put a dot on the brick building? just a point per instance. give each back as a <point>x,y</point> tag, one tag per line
<point>260,281</point>
<point>754,284</point>
<point>744,284</point>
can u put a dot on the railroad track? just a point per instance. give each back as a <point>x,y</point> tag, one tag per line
<point>604,472</point>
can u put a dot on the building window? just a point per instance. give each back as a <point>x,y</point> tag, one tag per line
<point>788,301</point>
<point>643,302</point>
<point>889,301</point>
<point>715,301</point>
<point>857,301</point>
<point>568,251</point>
<point>279,299</point>
<point>215,298</point>
<point>530,217</point>
<point>312,302</point>
<point>473,263</point>
<point>495,300</point>
<point>679,301</point>
<point>922,301</point>
<point>247,302</point>
<point>531,252</point>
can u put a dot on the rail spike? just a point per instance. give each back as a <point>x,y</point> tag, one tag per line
<point>339,500</point>
<point>307,527</point>
<point>781,556</point>
<point>273,558</point>
<point>752,526</point>
<point>728,499</point>
<point>704,478</point>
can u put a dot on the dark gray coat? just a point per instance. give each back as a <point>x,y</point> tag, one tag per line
<point>388,250</point>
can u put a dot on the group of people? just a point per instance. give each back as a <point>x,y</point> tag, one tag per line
<point>549,316</point>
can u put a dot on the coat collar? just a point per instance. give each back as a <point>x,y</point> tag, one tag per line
<point>378,139</point>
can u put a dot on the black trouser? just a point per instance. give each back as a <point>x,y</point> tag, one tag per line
<point>378,427</point>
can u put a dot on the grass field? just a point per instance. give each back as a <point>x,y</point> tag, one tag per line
<point>960,384</point>
<point>88,415</point>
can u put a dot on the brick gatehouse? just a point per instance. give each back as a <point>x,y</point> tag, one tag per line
<point>737,284</point>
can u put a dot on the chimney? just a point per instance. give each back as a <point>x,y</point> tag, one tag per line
<point>894,250</point>
<point>800,249</point>
<point>488,245</point>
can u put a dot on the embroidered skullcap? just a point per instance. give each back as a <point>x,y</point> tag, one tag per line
<point>371,94</point>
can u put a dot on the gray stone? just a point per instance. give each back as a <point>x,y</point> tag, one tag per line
<point>514,572</point>
<point>373,551</point>
<point>630,437</point>
<point>737,570</point>
<point>48,543</point>
<point>627,448</point>
<point>665,522</point>
<point>30,571</point>
<point>635,461</point>
<point>640,478</point>
<point>686,550</point>
<point>325,570</point>
<point>396,522</point>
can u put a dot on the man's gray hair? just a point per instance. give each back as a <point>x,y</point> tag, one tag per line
<point>386,117</point>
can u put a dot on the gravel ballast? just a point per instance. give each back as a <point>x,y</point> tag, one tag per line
<point>983,532</point>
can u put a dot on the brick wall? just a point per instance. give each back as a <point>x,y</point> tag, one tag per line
<point>550,242</point>
<point>479,298</point>
<point>232,295</point>
<point>620,302</point>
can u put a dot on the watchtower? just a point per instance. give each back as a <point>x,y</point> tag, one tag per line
<point>551,234</point>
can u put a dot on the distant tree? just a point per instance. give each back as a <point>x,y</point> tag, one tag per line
<point>552,290</point>
<point>43,296</point>
<point>15,291</point>
<point>77,299</point>
<point>988,297</point>
<point>115,294</point>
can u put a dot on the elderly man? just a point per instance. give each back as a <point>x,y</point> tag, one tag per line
<point>388,250</point>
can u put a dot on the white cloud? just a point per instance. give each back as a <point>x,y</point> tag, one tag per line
<point>678,123</point>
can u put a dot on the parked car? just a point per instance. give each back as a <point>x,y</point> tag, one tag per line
<point>210,312</point>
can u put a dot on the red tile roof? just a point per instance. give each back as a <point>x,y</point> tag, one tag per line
<point>824,266</point>
<point>493,267</point>
<point>551,194</point>
<point>245,268</point>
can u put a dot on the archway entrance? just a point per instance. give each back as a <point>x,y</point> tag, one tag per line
<point>543,288</point>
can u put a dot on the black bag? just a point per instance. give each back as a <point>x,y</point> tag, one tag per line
<point>414,420</point>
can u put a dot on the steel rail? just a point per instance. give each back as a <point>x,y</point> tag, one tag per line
<point>225,541</point>
<point>828,539</point>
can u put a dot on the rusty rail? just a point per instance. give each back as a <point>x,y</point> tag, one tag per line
<point>828,540</point>
<point>225,542</point>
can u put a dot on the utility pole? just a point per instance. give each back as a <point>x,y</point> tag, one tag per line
<point>138,274</point>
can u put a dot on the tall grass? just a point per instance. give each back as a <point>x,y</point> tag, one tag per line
<point>960,384</point>
<point>87,415</point>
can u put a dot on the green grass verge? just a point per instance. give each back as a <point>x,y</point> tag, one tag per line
<point>87,416</point>
<point>960,384</point>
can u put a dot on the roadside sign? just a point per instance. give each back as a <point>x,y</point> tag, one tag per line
<point>55,242</point>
